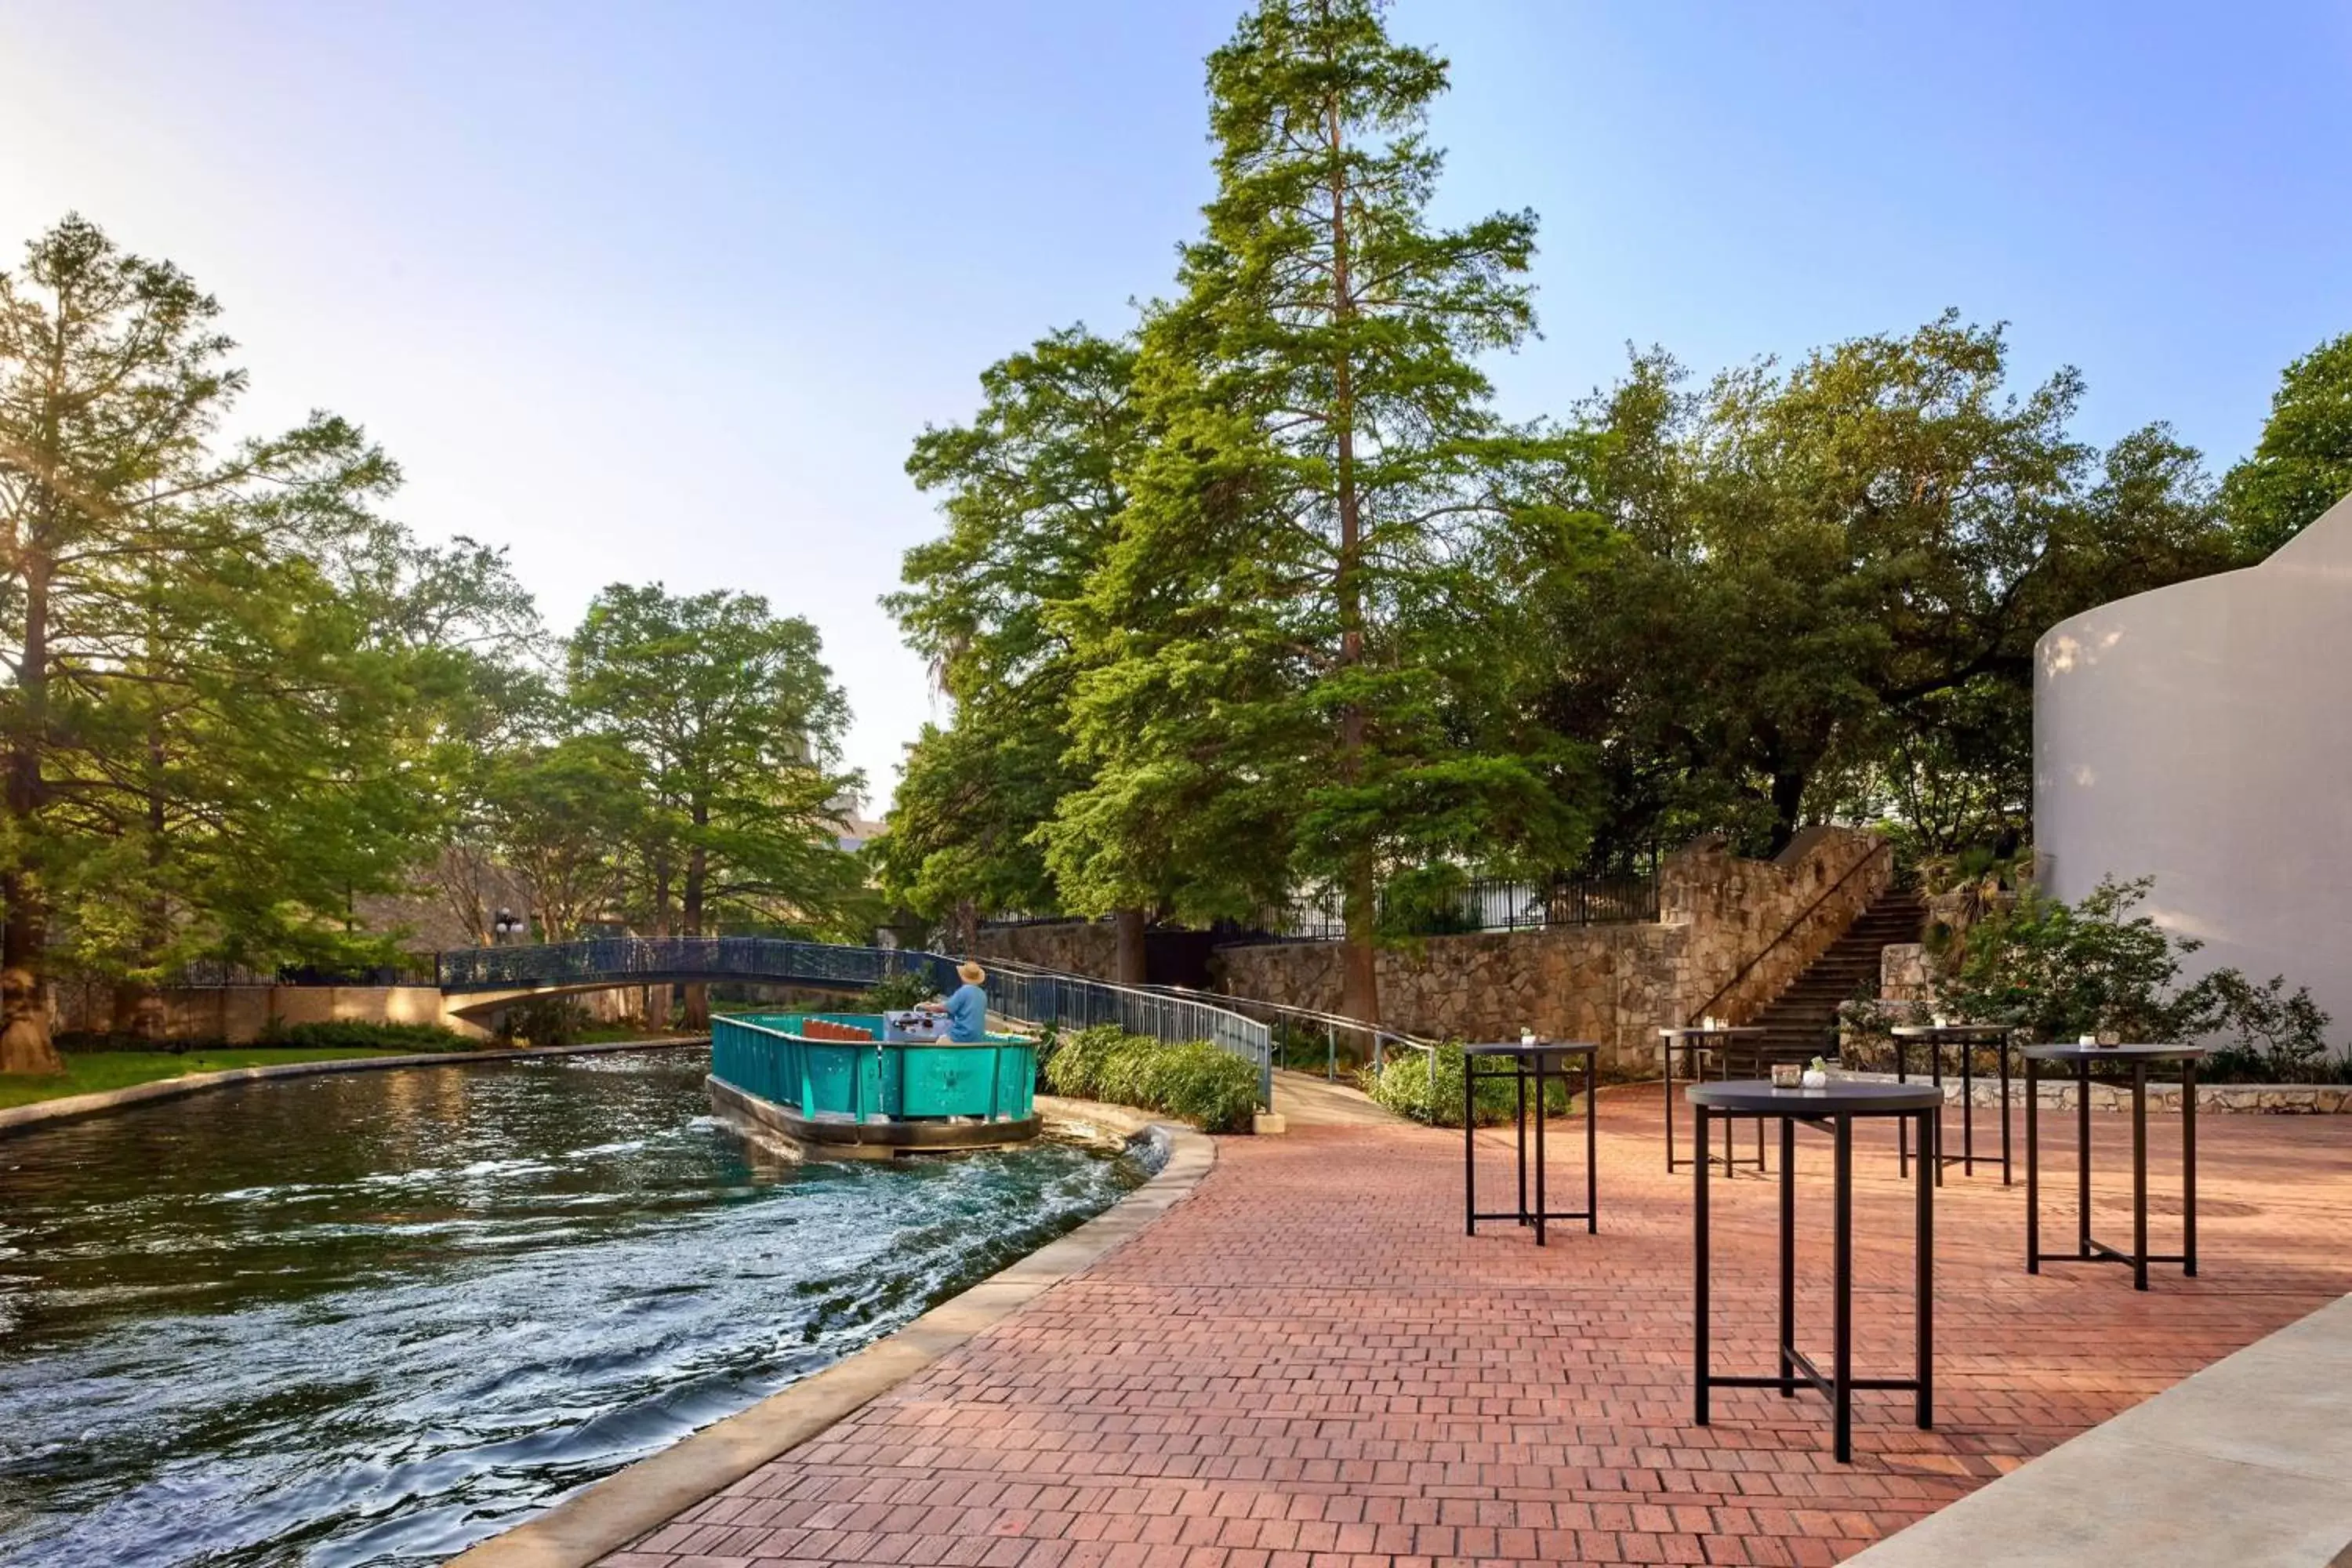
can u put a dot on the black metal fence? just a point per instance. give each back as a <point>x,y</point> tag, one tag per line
<point>1486,903</point>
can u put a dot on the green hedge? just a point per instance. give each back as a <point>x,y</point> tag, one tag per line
<point>1402,1086</point>
<point>353,1036</point>
<point>1195,1080</point>
<point>898,991</point>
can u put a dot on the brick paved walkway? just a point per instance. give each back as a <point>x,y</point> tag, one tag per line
<point>1308,1365</point>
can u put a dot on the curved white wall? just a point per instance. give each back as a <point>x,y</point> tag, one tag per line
<point>2203,734</point>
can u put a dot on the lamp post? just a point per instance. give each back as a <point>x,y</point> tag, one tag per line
<point>505,923</point>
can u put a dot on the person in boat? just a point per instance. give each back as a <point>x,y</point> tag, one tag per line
<point>966,1007</point>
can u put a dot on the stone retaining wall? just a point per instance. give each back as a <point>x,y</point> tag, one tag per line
<point>1611,983</point>
<point>2058,1094</point>
<point>1073,947</point>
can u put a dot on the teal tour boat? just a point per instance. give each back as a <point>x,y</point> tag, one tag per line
<point>873,1085</point>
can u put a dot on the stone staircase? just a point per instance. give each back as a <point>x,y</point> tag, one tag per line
<point>1802,1021</point>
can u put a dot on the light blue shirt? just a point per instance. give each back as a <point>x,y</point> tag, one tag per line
<point>967,1013</point>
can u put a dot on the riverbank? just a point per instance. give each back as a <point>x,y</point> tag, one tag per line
<point>268,1063</point>
<point>100,1072</point>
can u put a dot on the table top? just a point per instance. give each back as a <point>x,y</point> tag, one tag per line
<point>1671,1030</point>
<point>1842,1097</point>
<point>2074,1051</point>
<point>1521,1049</point>
<point>1945,1031</point>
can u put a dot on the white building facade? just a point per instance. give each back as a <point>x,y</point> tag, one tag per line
<point>2201,734</point>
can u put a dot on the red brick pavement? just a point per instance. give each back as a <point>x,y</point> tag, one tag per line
<point>1308,1365</point>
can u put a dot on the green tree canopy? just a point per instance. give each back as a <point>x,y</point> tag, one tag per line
<point>1265,646</point>
<point>1032,493</point>
<point>200,728</point>
<point>1828,581</point>
<point>727,713</point>
<point>2303,464</point>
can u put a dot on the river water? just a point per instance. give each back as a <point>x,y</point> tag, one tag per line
<point>371,1319</point>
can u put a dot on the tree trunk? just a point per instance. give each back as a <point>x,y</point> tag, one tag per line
<point>967,927</point>
<point>1359,993</point>
<point>698,877</point>
<point>1788,805</point>
<point>1132,964</point>
<point>25,1044</point>
<point>139,1012</point>
<point>1359,979</point>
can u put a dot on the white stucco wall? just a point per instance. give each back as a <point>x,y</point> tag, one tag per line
<point>2203,734</point>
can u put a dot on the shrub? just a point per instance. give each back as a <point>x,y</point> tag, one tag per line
<point>1204,1084</point>
<point>898,991</point>
<point>2056,972</point>
<point>2276,1038</point>
<point>1402,1085</point>
<point>351,1034</point>
<point>1195,1080</point>
<point>1077,1070</point>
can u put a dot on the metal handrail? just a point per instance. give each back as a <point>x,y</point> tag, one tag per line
<point>1333,1023</point>
<point>1023,991</point>
<point>1043,996</point>
<point>1707,1006</point>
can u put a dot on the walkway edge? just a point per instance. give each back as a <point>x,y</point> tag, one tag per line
<point>42,1112</point>
<point>625,1504</point>
<point>2241,1462</point>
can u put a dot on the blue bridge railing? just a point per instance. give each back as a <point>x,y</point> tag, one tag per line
<point>1016,990</point>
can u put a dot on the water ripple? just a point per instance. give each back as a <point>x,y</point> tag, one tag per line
<point>366,1321</point>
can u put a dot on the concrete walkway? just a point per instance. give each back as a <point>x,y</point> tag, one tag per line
<point>2248,1462</point>
<point>1304,1100</point>
<point>1308,1365</point>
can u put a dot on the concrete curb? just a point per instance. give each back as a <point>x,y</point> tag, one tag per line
<point>2242,1463</point>
<point>625,1504</point>
<point>41,1113</point>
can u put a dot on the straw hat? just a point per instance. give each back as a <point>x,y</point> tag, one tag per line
<point>970,973</point>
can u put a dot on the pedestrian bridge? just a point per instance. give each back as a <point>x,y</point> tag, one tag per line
<point>478,981</point>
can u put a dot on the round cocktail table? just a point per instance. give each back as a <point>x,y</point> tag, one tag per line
<point>1537,1063</point>
<point>1695,1041</point>
<point>1834,1109</point>
<point>2087,1250</point>
<point>1968,1036</point>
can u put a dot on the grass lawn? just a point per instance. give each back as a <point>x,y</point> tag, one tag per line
<point>86,1072</point>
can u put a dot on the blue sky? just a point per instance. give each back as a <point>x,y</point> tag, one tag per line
<point>665,290</point>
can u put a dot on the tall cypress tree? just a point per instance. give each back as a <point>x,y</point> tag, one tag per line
<point>1283,648</point>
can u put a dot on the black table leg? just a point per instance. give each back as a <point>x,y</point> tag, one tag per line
<point>2082,1159</point>
<point>2032,1165</point>
<point>1902,1124</point>
<point>1669,1055</point>
<point>1924,1301</point>
<point>1788,1257</point>
<point>1469,1148</point>
<point>2189,1168</point>
<point>1842,1329</point>
<point>1592,1144</point>
<point>2139,1175</point>
<point>1520,1078</point>
<point>1936,1074</point>
<point>1542,1205</point>
<point>2003,1047</point>
<point>1968,1109</point>
<point>1698,1231</point>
